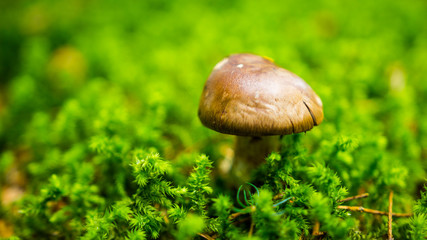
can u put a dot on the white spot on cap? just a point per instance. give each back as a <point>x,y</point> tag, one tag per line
<point>240,65</point>
<point>319,101</point>
<point>220,64</point>
<point>301,84</point>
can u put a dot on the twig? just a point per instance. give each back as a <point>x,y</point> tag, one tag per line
<point>237,214</point>
<point>316,228</point>
<point>165,216</point>
<point>281,195</point>
<point>363,195</point>
<point>251,230</point>
<point>278,196</point>
<point>390,216</point>
<point>372,211</point>
<point>206,236</point>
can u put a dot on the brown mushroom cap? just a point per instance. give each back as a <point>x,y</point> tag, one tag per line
<point>248,95</point>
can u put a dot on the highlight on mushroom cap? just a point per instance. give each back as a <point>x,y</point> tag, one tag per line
<point>248,95</point>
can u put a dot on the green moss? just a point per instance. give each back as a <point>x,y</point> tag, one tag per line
<point>108,145</point>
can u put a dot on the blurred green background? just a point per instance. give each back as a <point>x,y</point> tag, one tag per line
<point>133,71</point>
<point>360,57</point>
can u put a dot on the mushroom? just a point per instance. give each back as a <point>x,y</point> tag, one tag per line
<point>249,96</point>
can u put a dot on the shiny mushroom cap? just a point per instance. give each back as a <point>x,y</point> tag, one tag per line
<point>248,95</point>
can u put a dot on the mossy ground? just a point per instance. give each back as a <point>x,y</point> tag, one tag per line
<point>99,135</point>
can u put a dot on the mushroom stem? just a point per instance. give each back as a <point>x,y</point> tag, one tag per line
<point>250,153</point>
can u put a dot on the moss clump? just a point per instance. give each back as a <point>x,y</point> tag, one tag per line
<point>109,145</point>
